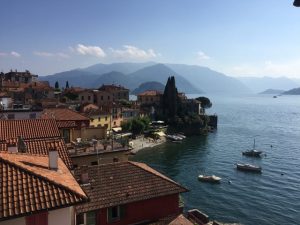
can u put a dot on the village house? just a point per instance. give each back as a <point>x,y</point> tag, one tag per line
<point>37,190</point>
<point>73,125</point>
<point>86,96</point>
<point>129,113</point>
<point>118,92</point>
<point>33,137</point>
<point>126,193</point>
<point>149,97</point>
<point>99,118</point>
<point>20,114</point>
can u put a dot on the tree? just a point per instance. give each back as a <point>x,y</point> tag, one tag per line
<point>67,84</point>
<point>137,126</point>
<point>205,102</point>
<point>170,100</point>
<point>56,86</point>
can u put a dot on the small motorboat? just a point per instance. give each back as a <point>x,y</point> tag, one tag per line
<point>248,167</point>
<point>174,137</point>
<point>253,152</point>
<point>210,179</point>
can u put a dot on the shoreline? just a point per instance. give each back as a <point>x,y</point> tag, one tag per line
<point>143,143</point>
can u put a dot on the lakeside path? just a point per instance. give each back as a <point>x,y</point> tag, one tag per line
<point>142,143</point>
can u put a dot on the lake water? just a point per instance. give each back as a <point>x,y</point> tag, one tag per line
<point>254,199</point>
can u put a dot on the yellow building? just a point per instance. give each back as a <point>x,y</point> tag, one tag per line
<point>99,118</point>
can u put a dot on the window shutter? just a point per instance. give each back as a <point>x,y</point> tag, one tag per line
<point>109,215</point>
<point>122,211</point>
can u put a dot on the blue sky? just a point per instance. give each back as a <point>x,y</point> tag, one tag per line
<point>239,38</point>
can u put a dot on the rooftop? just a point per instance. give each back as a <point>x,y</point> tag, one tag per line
<point>150,93</point>
<point>124,182</point>
<point>111,87</point>
<point>28,186</point>
<point>63,114</point>
<point>28,129</point>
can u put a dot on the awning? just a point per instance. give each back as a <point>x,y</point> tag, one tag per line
<point>161,134</point>
<point>117,129</point>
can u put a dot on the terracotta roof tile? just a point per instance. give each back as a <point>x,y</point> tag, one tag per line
<point>28,129</point>
<point>62,114</point>
<point>124,182</point>
<point>150,93</point>
<point>28,186</point>
<point>66,124</point>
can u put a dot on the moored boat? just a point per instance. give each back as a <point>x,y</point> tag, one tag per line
<point>248,167</point>
<point>210,179</point>
<point>253,152</point>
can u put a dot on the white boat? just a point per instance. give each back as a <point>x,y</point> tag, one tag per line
<point>174,137</point>
<point>211,179</point>
<point>248,167</point>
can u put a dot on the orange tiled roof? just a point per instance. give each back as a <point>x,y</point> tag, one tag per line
<point>28,129</point>
<point>28,186</point>
<point>62,114</point>
<point>124,182</point>
<point>150,93</point>
<point>66,124</point>
<point>41,147</point>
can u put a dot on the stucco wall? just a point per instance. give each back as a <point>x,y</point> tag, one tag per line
<point>60,217</point>
<point>55,217</point>
<point>148,210</point>
<point>18,221</point>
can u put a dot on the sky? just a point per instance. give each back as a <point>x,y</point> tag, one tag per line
<point>239,38</point>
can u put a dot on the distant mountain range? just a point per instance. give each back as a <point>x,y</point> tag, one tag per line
<point>272,92</point>
<point>152,85</point>
<point>294,91</point>
<point>259,84</point>
<point>190,79</point>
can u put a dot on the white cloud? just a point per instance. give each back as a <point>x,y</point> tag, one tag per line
<point>12,53</point>
<point>133,52</point>
<point>50,54</point>
<point>89,50</point>
<point>15,54</point>
<point>202,56</point>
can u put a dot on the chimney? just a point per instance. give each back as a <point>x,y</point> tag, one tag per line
<point>21,146</point>
<point>53,158</point>
<point>12,146</point>
<point>84,176</point>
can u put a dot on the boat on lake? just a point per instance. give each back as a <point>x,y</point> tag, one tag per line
<point>253,152</point>
<point>248,167</point>
<point>174,137</point>
<point>210,179</point>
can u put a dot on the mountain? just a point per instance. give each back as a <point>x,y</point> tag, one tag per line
<point>160,73</point>
<point>209,80</point>
<point>75,77</point>
<point>124,68</point>
<point>272,92</point>
<point>189,79</point>
<point>294,91</point>
<point>259,84</point>
<point>152,85</point>
<point>113,78</point>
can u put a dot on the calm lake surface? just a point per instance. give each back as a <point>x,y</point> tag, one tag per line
<point>254,199</point>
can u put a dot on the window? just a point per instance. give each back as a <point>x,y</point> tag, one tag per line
<point>89,98</point>
<point>82,98</point>
<point>99,118</point>
<point>80,219</point>
<point>11,116</point>
<point>115,213</point>
<point>91,218</point>
<point>106,118</point>
<point>37,219</point>
<point>94,163</point>
<point>88,218</point>
<point>115,123</point>
<point>108,97</point>
<point>101,97</point>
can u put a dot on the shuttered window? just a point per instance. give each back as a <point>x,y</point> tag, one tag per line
<point>115,213</point>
